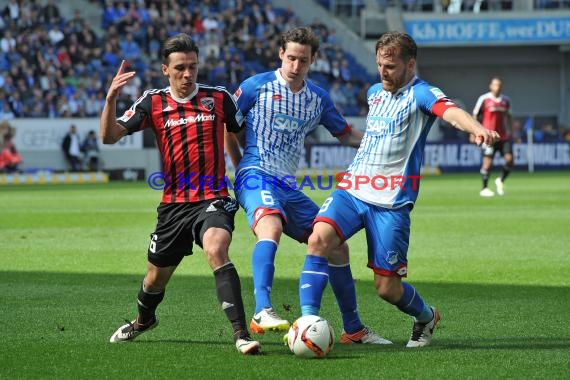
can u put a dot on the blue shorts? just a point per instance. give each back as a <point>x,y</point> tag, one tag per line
<point>261,194</point>
<point>387,230</point>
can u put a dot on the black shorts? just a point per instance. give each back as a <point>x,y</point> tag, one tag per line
<point>181,224</point>
<point>503,147</point>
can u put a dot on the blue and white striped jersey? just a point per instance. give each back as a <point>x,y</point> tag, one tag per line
<point>278,120</point>
<point>386,168</point>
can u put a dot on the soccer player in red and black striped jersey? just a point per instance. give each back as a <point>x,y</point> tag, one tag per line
<point>189,120</point>
<point>494,110</point>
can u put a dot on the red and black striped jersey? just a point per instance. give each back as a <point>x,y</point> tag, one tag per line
<point>494,112</point>
<point>190,137</point>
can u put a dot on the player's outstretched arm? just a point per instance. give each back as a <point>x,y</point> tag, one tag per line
<point>109,130</point>
<point>467,123</point>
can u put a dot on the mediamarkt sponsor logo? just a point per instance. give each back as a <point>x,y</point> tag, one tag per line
<point>190,119</point>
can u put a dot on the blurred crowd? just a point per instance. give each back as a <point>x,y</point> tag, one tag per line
<point>52,66</point>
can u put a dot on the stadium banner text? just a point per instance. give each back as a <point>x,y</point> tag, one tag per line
<point>461,31</point>
<point>47,134</point>
<point>448,156</point>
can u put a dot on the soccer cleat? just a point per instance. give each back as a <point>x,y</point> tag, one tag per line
<point>486,192</point>
<point>267,320</point>
<point>131,330</point>
<point>364,336</point>
<point>500,186</point>
<point>422,332</point>
<point>248,346</point>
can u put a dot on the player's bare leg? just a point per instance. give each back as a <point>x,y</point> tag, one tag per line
<point>485,173</point>
<point>216,243</point>
<point>500,181</point>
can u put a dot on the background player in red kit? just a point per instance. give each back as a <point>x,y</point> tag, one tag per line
<point>494,111</point>
<point>189,120</point>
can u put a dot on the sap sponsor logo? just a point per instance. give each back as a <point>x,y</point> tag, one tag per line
<point>377,125</point>
<point>188,120</point>
<point>437,92</point>
<point>286,123</point>
<point>127,115</point>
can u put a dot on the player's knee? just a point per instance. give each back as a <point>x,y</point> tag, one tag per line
<point>216,254</point>
<point>319,244</point>
<point>269,227</point>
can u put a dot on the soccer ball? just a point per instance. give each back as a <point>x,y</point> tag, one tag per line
<point>310,337</point>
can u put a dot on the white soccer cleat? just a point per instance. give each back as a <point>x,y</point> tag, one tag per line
<point>423,332</point>
<point>268,320</point>
<point>131,330</point>
<point>364,336</point>
<point>486,192</point>
<point>248,346</point>
<point>500,186</point>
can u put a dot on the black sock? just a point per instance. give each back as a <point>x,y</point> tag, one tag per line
<point>147,304</point>
<point>485,177</point>
<point>228,288</point>
<point>506,171</point>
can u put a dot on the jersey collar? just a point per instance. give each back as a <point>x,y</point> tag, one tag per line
<point>282,82</point>
<point>406,87</point>
<point>186,99</point>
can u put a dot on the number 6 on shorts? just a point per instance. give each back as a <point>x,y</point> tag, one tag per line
<point>267,198</point>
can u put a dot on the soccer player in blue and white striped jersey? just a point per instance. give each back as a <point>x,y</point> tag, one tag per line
<point>281,108</point>
<point>380,187</point>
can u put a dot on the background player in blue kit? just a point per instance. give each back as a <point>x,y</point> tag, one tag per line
<point>382,183</point>
<point>280,108</point>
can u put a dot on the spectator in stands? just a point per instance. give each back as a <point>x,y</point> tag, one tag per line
<point>12,11</point>
<point>55,35</point>
<point>322,64</point>
<point>72,149</point>
<point>338,96</point>
<point>50,13</point>
<point>8,42</point>
<point>90,149</point>
<point>6,112</point>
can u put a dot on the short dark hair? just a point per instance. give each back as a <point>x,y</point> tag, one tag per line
<point>392,41</point>
<point>302,36</point>
<point>178,43</point>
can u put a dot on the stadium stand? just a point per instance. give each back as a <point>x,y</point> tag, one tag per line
<point>56,64</point>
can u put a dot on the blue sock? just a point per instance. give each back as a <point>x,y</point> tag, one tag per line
<point>342,284</point>
<point>262,262</point>
<point>412,304</point>
<point>312,283</point>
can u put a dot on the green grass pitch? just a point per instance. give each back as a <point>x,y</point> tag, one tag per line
<point>72,258</point>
